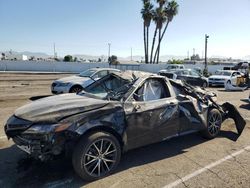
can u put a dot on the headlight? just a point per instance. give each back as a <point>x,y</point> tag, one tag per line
<point>62,84</point>
<point>44,129</point>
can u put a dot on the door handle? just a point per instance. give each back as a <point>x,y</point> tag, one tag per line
<point>137,107</point>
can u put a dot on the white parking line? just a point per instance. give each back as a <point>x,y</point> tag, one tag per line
<point>208,167</point>
<point>3,137</point>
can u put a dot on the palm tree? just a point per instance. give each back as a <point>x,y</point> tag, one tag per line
<point>170,11</point>
<point>159,18</point>
<point>147,17</point>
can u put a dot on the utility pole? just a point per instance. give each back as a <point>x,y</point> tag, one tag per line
<point>54,51</point>
<point>109,44</point>
<point>131,55</point>
<point>206,37</point>
<point>188,54</point>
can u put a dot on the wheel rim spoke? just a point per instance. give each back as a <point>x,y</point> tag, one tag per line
<point>99,167</point>
<point>92,156</point>
<point>97,149</point>
<point>105,163</point>
<point>110,152</point>
<point>94,168</point>
<point>108,160</point>
<point>93,160</point>
<point>107,149</point>
<point>101,146</point>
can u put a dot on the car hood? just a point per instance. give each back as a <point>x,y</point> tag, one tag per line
<point>55,108</point>
<point>74,78</point>
<point>220,76</point>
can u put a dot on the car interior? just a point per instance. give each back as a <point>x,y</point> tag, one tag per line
<point>152,89</point>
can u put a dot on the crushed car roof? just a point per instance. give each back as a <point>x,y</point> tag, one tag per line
<point>132,75</point>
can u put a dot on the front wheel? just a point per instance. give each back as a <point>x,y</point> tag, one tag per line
<point>96,156</point>
<point>214,121</point>
<point>205,84</point>
<point>76,89</point>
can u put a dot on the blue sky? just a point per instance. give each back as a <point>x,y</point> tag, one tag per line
<point>87,26</point>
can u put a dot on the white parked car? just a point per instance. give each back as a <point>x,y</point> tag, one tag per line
<point>221,77</point>
<point>76,83</point>
<point>171,67</point>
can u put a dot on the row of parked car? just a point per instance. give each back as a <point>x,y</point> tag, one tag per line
<point>227,78</point>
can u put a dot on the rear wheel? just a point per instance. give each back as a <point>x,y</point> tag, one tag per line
<point>214,121</point>
<point>76,89</point>
<point>96,156</point>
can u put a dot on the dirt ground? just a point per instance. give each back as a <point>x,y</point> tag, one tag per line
<point>188,161</point>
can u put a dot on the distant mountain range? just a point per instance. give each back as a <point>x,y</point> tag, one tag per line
<point>246,57</point>
<point>29,54</point>
<point>163,58</point>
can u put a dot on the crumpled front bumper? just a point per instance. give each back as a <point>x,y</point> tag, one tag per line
<point>40,146</point>
<point>231,111</point>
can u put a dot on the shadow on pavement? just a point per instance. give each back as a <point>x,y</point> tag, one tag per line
<point>26,172</point>
<point>245,100</point>
<point>38,97</point>
<point>245,106</point>
<point>229,135</point>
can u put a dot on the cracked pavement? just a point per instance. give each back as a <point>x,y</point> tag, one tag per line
<point>155,165</point>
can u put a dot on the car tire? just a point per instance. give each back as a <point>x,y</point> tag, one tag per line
<point>76,89</point>
<point>214,121</point>
<point>205,84</point>
<point>96,156</point>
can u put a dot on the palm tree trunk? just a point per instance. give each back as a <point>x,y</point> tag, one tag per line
<point>145,43</point>
<point>158,56</point>
<point>159,43</point>
<point>157,52</point>
<point>153,44</point>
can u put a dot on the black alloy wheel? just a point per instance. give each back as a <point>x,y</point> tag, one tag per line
<point>214,121</point>
<point>96,156</point>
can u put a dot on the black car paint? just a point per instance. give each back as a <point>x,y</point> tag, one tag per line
<point>133,123</point>
<point>190,79</point>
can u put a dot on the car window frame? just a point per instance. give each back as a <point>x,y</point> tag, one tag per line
<point>130,97</point>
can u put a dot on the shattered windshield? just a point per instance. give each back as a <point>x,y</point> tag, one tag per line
<point>110,87</point>
<point>87,73</point>
<point>118,93</point>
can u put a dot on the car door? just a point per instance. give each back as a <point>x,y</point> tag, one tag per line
<point>184,75</point>
<point>151,114</point>
<point>195,78</point>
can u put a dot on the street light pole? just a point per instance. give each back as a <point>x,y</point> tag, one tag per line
<point>131,54</point>
<point>109,51</point>
<point>206,37</point>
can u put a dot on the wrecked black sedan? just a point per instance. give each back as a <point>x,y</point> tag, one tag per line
<point>117,113</point>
